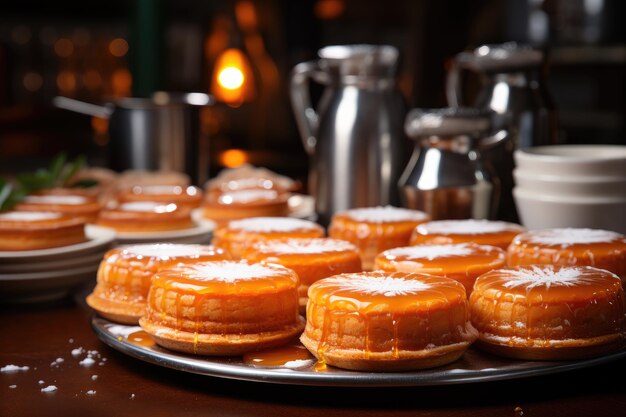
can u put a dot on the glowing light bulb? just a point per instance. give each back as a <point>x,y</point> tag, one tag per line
<point>231,78</point>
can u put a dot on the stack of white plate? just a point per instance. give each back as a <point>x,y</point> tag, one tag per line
<point>571,186</point>
<point>45,274</point>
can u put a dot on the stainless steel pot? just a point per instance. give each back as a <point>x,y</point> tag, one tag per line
<point>157,133</point>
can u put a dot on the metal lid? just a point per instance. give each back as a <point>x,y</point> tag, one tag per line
<point>508,56</point>
<point>447,122</point>
<point>363,61</point>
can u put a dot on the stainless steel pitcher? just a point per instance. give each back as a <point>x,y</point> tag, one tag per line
<point>513,88</point>
<point>446,176</point>
<point>355,137</point>
<point>157,133</point>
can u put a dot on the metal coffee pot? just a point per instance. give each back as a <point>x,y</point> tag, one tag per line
<point>513,88</point>
<point>446,176</point>
<point>157,133</point>
<point>355,136</point>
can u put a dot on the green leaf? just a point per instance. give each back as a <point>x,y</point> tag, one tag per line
<point>78,163</point>
<point>57,166</point>
<point>86,183</point>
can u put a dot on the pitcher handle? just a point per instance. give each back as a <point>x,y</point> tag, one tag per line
<point>453,85</point>
<point>307,118</point>
<point>78,106</point>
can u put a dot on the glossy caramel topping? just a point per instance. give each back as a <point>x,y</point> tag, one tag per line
<point>387,214</point>
<point>289,356</point>
<point>225,278</point>
<point>141,338</point>
<point>442,259</point>
<point>273,225</point>
<point>546,284</point>
<point>393,292</point>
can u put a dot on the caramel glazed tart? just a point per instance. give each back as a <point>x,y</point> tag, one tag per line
<point>387,322</point>
<point>546,312</point>
<point>225,308</point>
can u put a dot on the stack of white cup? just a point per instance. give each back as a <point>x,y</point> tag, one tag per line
<point>571,186</point>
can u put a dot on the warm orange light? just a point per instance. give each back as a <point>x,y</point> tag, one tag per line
<point>232,78</point>
<point>66,82</point>
<point>64,47</point>
<point>246,15</point>
<point>121,81</point>
<point>329,9</point>
<point>118,47</point>
<point>233,158</point>
<point>100,125</point>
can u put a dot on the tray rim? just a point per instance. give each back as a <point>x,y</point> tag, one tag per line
<point>233,369</point>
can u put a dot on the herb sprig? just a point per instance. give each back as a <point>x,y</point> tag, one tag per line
<point>58,174</point>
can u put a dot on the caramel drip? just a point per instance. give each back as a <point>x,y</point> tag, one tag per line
<point>278,356</point>
<point>141,338</point>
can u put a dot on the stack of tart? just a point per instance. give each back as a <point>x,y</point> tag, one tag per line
<point>247,192</point>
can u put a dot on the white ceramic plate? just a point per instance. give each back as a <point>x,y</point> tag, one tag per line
<point>58,265</point>
<point>100,239</point>
<point>202,231</point>
<point>43,286</point>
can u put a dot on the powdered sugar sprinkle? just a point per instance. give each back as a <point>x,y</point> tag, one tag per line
<point>385,214</point>
<point>570,236</point>
<point>466,227</point>
<point>429,252</point>
<point>546,276</point>
<point>378,285</point>
<point>272,224</point>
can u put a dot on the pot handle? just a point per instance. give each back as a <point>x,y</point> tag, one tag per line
<point>307,118</point>
<point>78,106</point>
<point>453,84</point>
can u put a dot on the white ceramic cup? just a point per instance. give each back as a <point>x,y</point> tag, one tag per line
<point>568,186</point>
<point>541,211</point>
<point>573,160</point>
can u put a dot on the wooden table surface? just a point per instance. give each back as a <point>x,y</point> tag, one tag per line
<point>36,335</point>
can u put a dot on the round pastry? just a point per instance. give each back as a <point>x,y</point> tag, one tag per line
<point>30,230</point>
<point>247,177</point>
<point>599,248</point>
<point>70,205</point>
<point>482,232</point>
<point>223,308</point>
<point>311,259</point>
<point>124,276</point>
<point>375,229</point>
<point>546,312</point>
<point>236,235</point>
<point>146,216</point>
<point>463,262</point>
<point>382,321</point>
<point>245,203</point>
<point>182,196</point>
